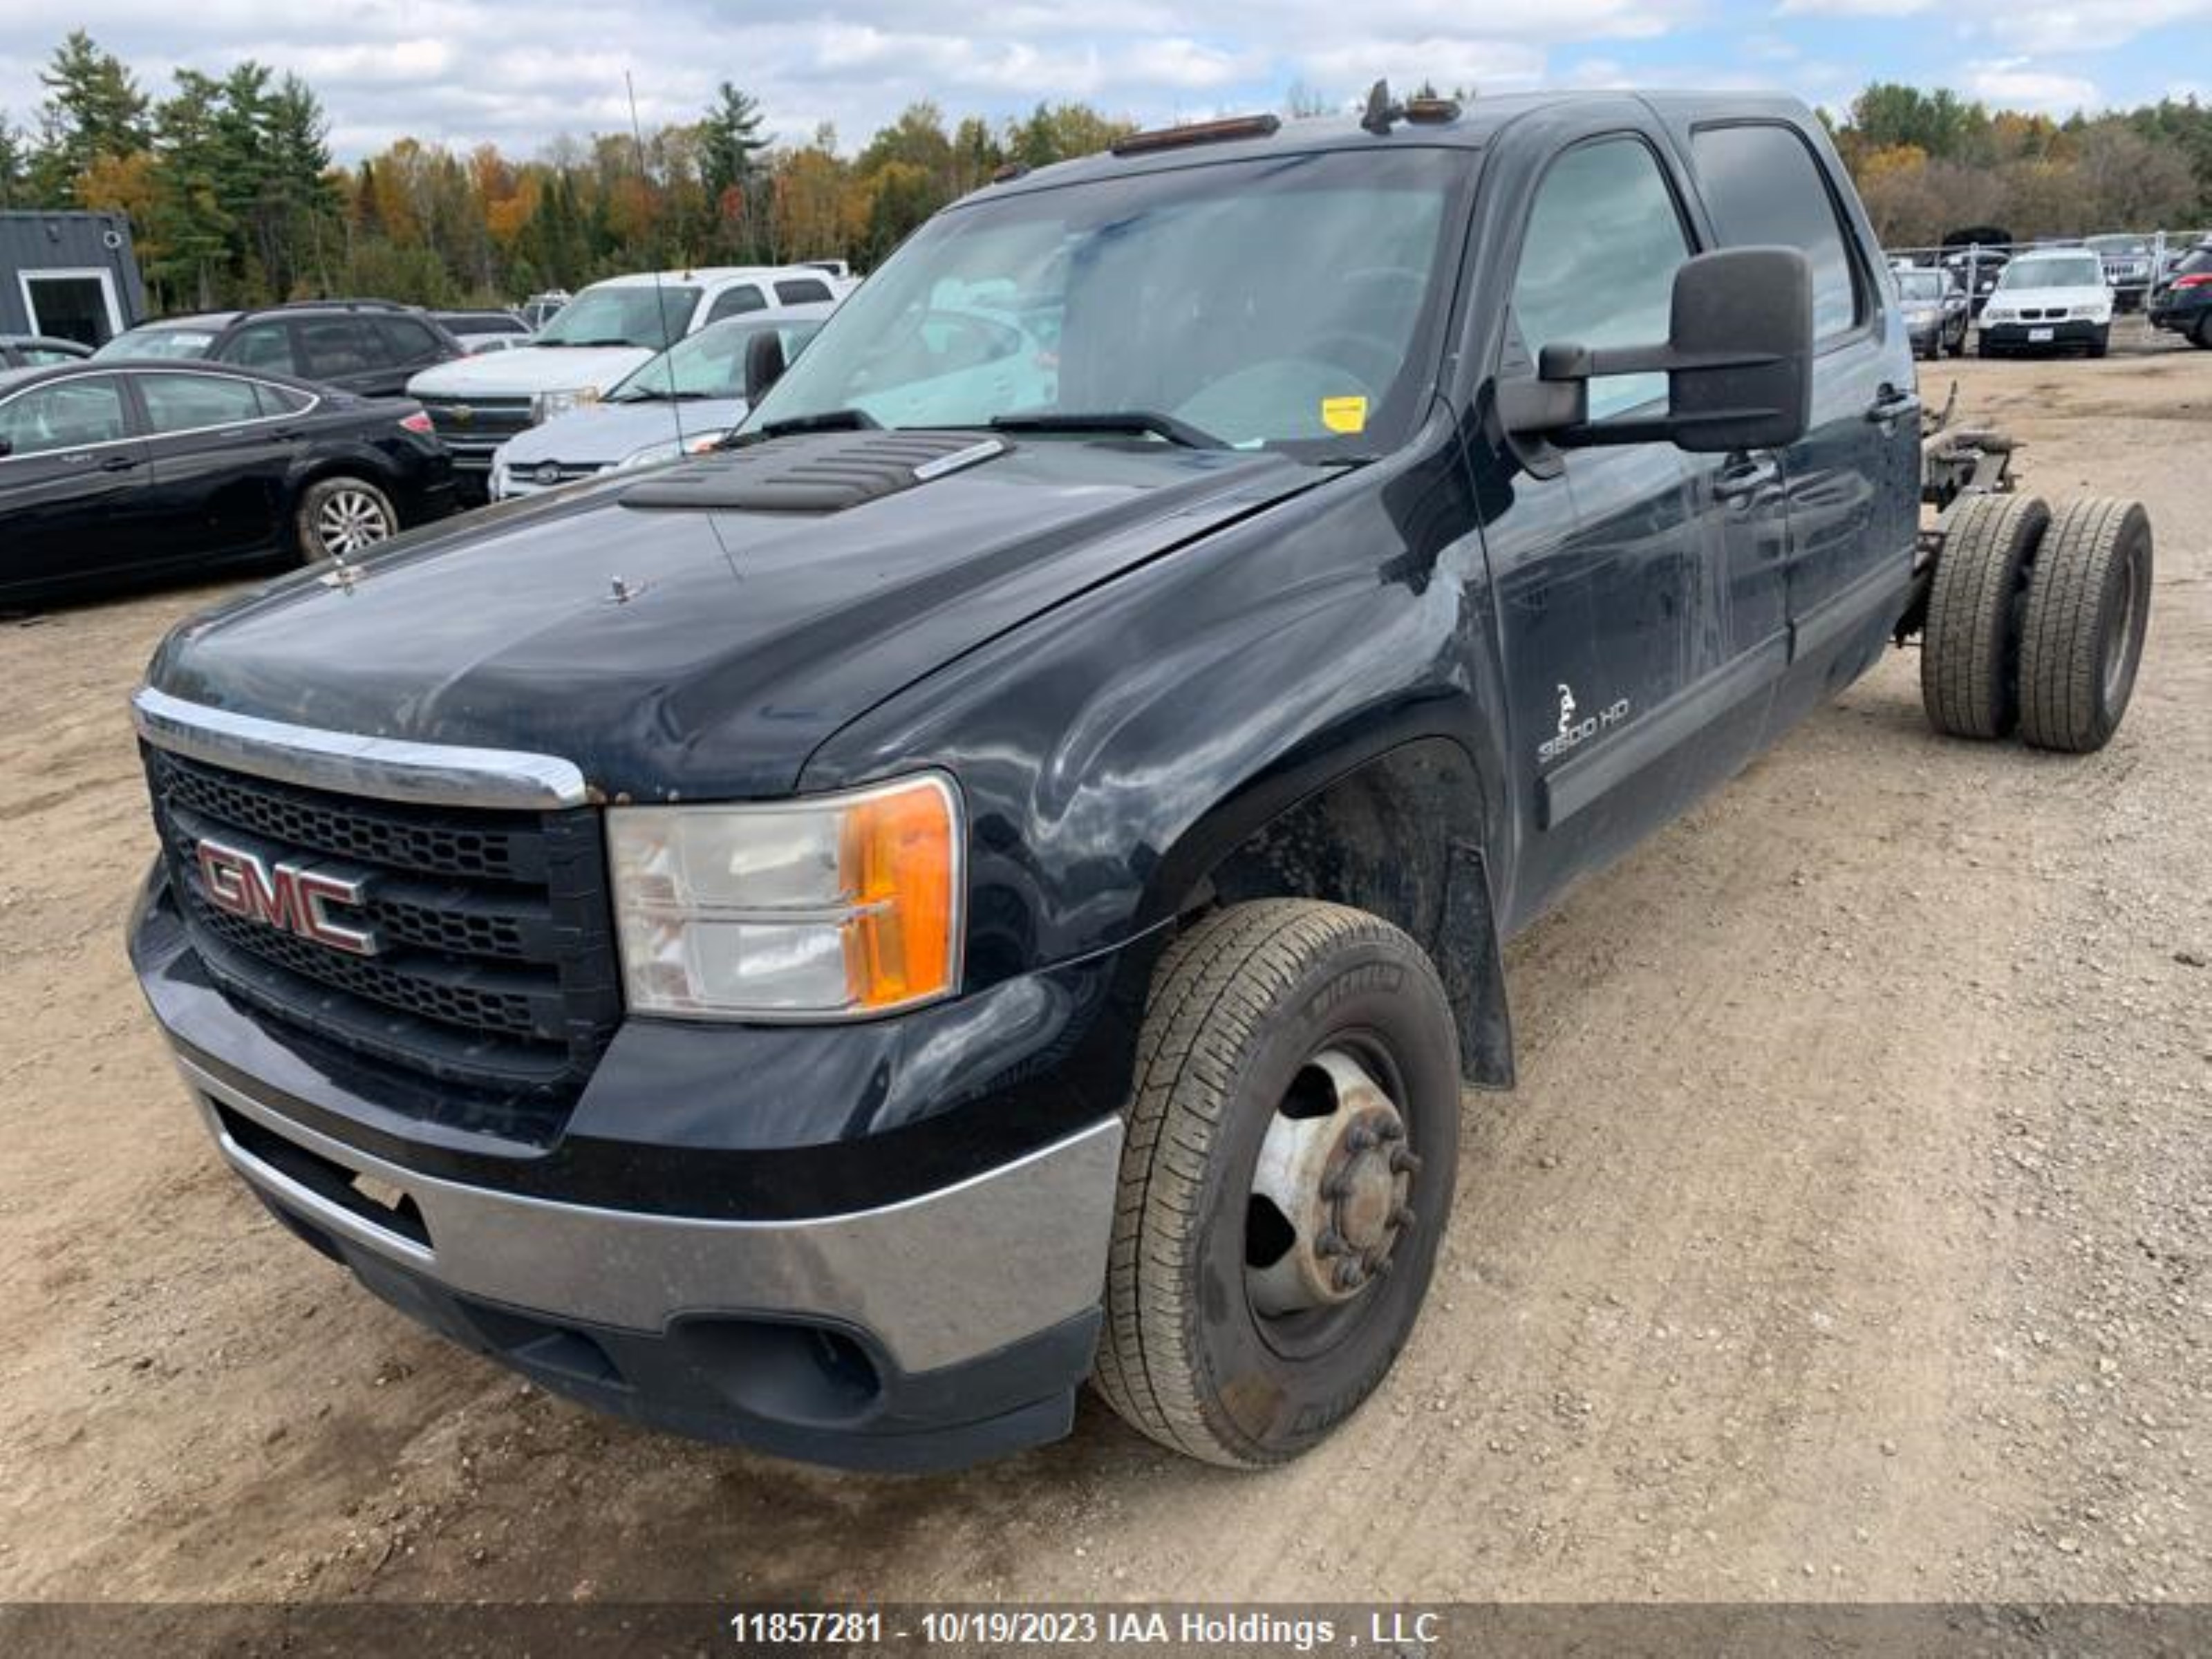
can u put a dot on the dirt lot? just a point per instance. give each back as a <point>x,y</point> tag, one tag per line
<point>1849,1237</point>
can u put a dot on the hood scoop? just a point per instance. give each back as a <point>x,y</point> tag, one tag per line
<point>813,472</point>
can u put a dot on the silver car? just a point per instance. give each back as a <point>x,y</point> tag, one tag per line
<point>683,401</point>
<point>1937,311</point>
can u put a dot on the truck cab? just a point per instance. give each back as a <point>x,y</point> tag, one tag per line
<point>997,876</point>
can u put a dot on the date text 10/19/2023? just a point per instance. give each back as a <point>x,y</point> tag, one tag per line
<point>1134,1626</point>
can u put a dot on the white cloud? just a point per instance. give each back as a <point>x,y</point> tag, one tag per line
<point>2016,83</point>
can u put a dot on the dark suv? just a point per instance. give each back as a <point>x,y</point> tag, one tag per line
<point>2182,302</point>
<point>368,346</point>
<point>999,876</point>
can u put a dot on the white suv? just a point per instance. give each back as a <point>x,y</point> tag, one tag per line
<point>2048,298</point>
<point>596,340</point>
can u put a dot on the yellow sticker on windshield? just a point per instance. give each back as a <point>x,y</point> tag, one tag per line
<point>1346,414</point>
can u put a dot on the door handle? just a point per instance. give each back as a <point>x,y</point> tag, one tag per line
<point>1892,404</point>
<point>1745,476</point>
<point>119,463</point>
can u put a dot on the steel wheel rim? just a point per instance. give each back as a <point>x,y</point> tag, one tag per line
<point>1328,1207</point>
<point>351,520</point>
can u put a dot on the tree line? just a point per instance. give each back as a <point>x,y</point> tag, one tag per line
<point>234,198</point>
<point>1927,163</point>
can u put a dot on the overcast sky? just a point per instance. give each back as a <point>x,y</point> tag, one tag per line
<point>462,71</point>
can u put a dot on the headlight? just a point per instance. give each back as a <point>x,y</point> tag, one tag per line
<point>834,907</point>
<point>547,404</point>
<point>672,450</point>
<point>1998,314</point>
<point>649,455</point>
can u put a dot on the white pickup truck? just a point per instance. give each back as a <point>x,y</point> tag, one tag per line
<point>595,341</point>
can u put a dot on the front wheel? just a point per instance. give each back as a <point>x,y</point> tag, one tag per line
<point>1286,1179</point>
<point>2100,342</point>
<point>342,518</point>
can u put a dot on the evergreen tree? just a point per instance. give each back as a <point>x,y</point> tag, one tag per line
<point>93,108</point>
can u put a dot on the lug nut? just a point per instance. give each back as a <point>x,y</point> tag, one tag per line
<point>1403,1161</point>
<point>1331,1243</point>
<point>1403,1217</point>
<point>1359,1139</point>
<point>1349,1275</point>
<point>1391,1131</point>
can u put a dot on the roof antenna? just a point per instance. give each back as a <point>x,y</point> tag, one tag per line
<point>1381,111</point>
<point>659,297</point>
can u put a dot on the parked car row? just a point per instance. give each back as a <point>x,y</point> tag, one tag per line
<point>315,430</point>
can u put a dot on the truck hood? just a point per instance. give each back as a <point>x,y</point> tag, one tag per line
<point>606,433</point>
<point>532,369</point>
<point>701,653</point>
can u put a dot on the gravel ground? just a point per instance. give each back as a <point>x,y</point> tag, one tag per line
<point>1847,1239</point>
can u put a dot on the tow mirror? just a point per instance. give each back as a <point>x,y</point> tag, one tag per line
<point>764,363</point>
<point>1738,360</point>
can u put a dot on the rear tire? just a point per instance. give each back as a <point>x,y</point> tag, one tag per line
<point>342,517</point>
<point>1969,652</point>
<point>2081,639</point>
<point>1267,1262</point>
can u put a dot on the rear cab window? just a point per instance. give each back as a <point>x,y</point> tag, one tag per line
<point>803,291</point>
<point>735,302</point>
<point>1765,187</point>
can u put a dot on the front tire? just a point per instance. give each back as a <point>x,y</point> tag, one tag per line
<point>1286,1179</point>
<point>1969,652</point>
<point>2081,640</point>
<point>342,518</point>
<point>2101,342</point>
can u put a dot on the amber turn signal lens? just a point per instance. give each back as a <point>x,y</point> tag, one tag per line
<point>900,859</point>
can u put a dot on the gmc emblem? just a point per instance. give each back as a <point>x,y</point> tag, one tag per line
<point>287,897</point>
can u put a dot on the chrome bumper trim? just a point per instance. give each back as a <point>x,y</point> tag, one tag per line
<point>938,1278</point>
<point>384,768</point>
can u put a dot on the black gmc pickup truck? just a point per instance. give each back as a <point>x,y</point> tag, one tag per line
<point>996,877</point>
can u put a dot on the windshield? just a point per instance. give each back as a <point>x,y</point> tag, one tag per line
<point>1920,285</point>
<point>1281,303</point>
<point>710,364</point>
<point>2062,270</point>
<point>159,343</point>
<point>2119,244</point>
<point>635,314</point>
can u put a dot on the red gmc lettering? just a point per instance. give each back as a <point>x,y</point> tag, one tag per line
<point>281,896</point>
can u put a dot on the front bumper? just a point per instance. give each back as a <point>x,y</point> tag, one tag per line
<point>2022,336</point>
<point>2180,318</point>
<point>931,1334</point>
<point>921,1297</point>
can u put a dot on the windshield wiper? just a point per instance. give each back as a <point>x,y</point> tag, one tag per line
<point>829,420</point>
<point>1137,422</point>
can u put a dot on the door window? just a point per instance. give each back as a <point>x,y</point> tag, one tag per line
<point>67,414</point>
<point>331,346</point>
<point>735,302</point>
<point>279,399</point>
<point>406,341</point>
<point>261,345</point>
<point>193,403</point>
<point>1765,189</point>
<point>1597,265</point>
<point>803,291</point>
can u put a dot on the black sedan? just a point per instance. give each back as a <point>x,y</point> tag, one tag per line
<point>113,472</point>
<point>2182,303</point>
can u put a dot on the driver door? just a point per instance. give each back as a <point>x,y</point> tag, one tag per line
<point>72,481</point>
<point>1628,594</point>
